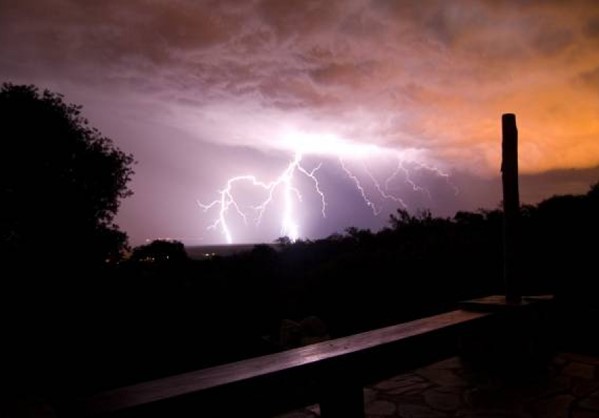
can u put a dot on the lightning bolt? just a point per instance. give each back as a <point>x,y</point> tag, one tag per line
<point>446,176</point>
<point>289,226</point>
<point>382,192</point>
<point>372,191</point>
<point>407,178</point>
<point>358,185</point>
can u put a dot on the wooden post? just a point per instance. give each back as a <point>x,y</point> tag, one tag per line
<point>511,207</point>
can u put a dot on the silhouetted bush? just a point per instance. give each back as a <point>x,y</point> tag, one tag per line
<point>61,182</point>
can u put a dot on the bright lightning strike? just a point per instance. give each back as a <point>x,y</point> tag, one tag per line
<point>283,187</point>
<point>408,179</point>
<point>358,185</point>
<point>289,226</point>
<point>382,192</point>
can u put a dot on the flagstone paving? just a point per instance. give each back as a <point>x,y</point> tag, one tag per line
<point>567,388</point>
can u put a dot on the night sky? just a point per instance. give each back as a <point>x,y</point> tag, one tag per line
<point>341,110</point>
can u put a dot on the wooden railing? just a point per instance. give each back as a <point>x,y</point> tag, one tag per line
<point>331,373</point>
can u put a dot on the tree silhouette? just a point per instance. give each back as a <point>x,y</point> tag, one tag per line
<point>593,193</point>
<point>61,181</point>
<point>160,252</point>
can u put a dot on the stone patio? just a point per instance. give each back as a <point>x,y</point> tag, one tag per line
<point>568,388</point>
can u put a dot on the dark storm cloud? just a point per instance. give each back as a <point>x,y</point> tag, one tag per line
<point>591,28</point>
<point>406,62</point>
<point>591,78</point>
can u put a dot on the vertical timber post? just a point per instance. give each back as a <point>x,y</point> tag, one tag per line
<point>511,207</point>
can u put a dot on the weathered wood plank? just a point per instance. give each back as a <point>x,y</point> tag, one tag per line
<point>369,355</point>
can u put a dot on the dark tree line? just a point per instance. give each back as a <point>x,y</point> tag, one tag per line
<point>61,182</point>
<point>227,308</point>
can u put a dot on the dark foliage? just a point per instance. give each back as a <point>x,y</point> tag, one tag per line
<point>160,252</point>
<point>198,313</point>
<point>61,181</point>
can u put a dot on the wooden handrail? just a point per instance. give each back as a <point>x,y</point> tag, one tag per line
<point>323,372</point>
<point>331,373</point>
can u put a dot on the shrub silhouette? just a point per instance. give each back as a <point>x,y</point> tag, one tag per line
<point>61,179</point>
<point>61,183</point>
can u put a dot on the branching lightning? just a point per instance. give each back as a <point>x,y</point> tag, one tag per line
<point>373,192</point>
<point>289,227</point>
<point>358,185</point>
<point>401,168</point>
